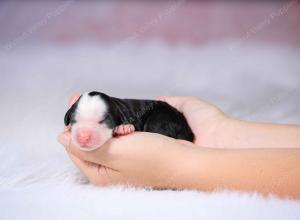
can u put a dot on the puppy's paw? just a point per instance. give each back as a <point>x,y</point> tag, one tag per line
<point>123,130</point>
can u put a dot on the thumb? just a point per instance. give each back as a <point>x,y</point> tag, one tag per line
<point>175,101</point>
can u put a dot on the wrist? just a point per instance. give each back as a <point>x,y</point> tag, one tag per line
<point>190,168</point>
<point>226,132</point>
<point>245,134</point>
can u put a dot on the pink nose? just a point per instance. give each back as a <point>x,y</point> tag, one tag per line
<point>84,136</point>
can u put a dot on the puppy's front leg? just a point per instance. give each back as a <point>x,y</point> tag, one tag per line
<point>122,130</point>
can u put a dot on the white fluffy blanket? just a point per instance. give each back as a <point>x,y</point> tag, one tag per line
<point>38,181</point>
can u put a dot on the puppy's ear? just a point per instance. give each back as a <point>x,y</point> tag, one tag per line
<point>70,113</point>
<point>68,116</point>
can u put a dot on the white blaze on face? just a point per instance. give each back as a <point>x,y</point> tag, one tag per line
<point>87,132</point>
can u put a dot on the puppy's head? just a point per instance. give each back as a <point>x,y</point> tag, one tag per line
<point>90,123</point>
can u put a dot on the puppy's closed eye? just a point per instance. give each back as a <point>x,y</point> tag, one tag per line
<point>106,118</point>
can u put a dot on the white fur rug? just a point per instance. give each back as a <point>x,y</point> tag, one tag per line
<point>38,181</point>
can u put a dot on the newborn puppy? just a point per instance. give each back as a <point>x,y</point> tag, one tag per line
<point>96,117</point>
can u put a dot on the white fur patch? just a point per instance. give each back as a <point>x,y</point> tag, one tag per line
<point>90,108</point>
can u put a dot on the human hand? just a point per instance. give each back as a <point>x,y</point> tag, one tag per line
<point>139,159</point>
<point>153,160</point>
<point>205,120</point>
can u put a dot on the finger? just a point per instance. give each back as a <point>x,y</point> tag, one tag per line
<point>83,166</point>
<point>180,102</point>
<point>187,143</point>
<point>175,101</point>
<point>111,154</point>
<point>73,99</point>
<point>96,173</point>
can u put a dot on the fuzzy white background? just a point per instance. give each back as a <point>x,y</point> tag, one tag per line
<point>37,179</point>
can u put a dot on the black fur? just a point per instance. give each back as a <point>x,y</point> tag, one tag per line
<point>145,115</point>
<point>70,114</point>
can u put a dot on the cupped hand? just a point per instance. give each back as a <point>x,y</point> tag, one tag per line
<point>205,120</point>
<point>148,159</point>
<point>140,159</point>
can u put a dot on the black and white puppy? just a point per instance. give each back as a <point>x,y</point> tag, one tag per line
<point>96,117</point>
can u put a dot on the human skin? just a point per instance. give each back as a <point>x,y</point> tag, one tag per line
<point>226,154</point>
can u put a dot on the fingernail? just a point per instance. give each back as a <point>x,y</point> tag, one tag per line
<point>64,139</point>
<point>160,98</point>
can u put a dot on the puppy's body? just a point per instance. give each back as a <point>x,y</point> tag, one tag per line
<point>96,117</point>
